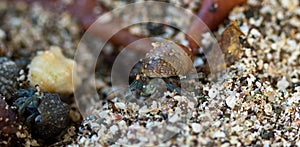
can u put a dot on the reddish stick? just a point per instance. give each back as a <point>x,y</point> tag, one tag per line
<point>212,13</point>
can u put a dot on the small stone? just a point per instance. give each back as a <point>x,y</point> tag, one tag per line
<point>198,62</point>
<point>113,129</point>
<point>244,29</point>
<point>212,93</point>
<point>180,98</point>
<point>2,34</point>
<point>103,114</point>
<point>234,140</point>
<point>122,125</point>
<point>196,127</point>
<point>282,84</point>
<point>120,105</point>
<point>225,145</point>
<point>219,134</point>
<point>53,72</point>
<point>255,33</point>
<point>174,118</point>
<point>268,109</point>
<point>231,101</point>
<point>237,128</point>
<point>144,110</point>
<point>290,4</point>
<point>154,105</point>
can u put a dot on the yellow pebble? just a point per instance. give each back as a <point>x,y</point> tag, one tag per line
<point>52,71</point>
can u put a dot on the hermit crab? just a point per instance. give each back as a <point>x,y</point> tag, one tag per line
<point>167,61</point>
<point>44,113</point>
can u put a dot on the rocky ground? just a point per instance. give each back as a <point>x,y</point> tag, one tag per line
<point>255,104</point>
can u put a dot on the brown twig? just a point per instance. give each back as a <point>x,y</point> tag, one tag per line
<point>212,13</point>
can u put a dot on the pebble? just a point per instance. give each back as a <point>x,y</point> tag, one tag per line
<point>174,118</point>
<point>120,105</point>
<point>231,101</point>
<point>122,125</point>
<point>113,129</point>
<point>268,109</point>
<point>234,140</point>
<point>282,84</point>
<point>244,29</point>
<point>53,72</point>
<point>2,34</point>
<point>180,98</point>
<point>212,93</point>
<point>196,127</point>
<point>144,110</point>
<point>198,62</point>
<point>290,4</point>
<point>219,134</point>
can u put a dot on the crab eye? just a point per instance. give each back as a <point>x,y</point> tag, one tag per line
<point>38,119</point>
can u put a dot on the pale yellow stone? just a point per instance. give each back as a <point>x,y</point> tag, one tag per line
<point>52,71</point>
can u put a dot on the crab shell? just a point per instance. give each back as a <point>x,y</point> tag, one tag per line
<point>52,71</point>
<point>166,59</point>
<point>53,117</point>
<point>8,77</point>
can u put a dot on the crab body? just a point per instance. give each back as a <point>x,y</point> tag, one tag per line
<point>167,61</point>
<point>44,113</point>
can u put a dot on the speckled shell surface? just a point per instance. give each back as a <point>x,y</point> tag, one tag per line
<point>8,77</point>
<point>166,59</point>
<point>54,115</point>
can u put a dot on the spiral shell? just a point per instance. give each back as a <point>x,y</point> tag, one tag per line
<point>166,59</point>
<point>53,72</point>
